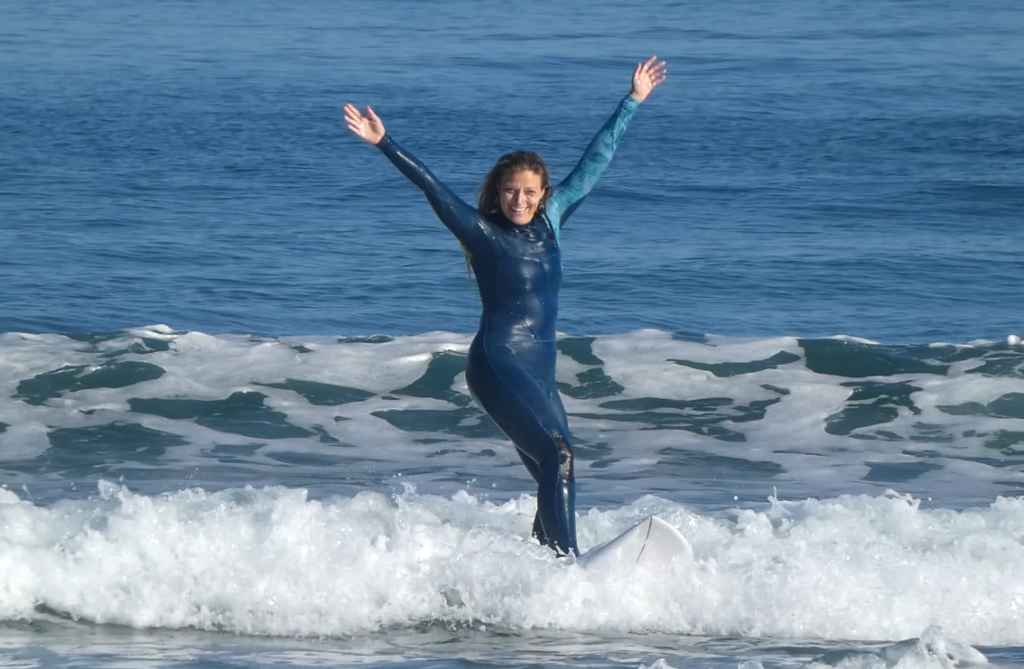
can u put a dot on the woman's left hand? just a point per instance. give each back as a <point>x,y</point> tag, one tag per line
<point>646,77</point>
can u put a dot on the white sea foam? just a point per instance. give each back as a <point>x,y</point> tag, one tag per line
<point>272,561</point>
<point>818,560</point>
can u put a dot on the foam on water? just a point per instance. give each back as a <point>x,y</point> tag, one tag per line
<point>342,487</point>
<point>932,650</point>
<point>651,412</point>
<point>273,562</point>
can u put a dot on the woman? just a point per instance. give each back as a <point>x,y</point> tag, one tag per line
<point>512,241</point>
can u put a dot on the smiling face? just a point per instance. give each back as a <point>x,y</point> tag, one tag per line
<point>520,196</point>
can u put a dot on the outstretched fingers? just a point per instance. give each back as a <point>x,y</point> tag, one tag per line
<point>647,76</point>
<point>654,70</point>
<point>369,127</point>
<point>354,120</point>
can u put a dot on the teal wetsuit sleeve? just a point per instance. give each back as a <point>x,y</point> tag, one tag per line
<point>569,194</point>
<point>462,219</point>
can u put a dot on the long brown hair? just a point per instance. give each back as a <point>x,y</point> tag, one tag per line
<point>489,194</point>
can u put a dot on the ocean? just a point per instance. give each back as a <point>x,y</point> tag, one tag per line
<point>234,424</point>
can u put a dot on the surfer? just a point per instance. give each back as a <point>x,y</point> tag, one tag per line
<point>512,241</point>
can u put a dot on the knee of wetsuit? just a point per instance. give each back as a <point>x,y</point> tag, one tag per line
<point>565,465</point>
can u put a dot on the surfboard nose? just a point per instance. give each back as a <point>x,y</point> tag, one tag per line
<point>651,543</point>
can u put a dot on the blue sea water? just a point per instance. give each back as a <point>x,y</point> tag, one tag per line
<point>234,426</point>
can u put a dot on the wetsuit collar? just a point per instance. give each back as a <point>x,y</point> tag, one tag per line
<point>499,219</point>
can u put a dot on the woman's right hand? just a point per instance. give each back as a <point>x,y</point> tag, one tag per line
<point>370,128</point>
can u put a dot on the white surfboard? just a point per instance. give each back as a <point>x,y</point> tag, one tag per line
<point>650,544</point>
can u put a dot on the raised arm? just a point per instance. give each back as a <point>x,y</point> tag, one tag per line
<point>569,194</point>
<point>462,219</point>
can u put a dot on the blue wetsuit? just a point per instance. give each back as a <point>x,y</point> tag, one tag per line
<point>511,366</point>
